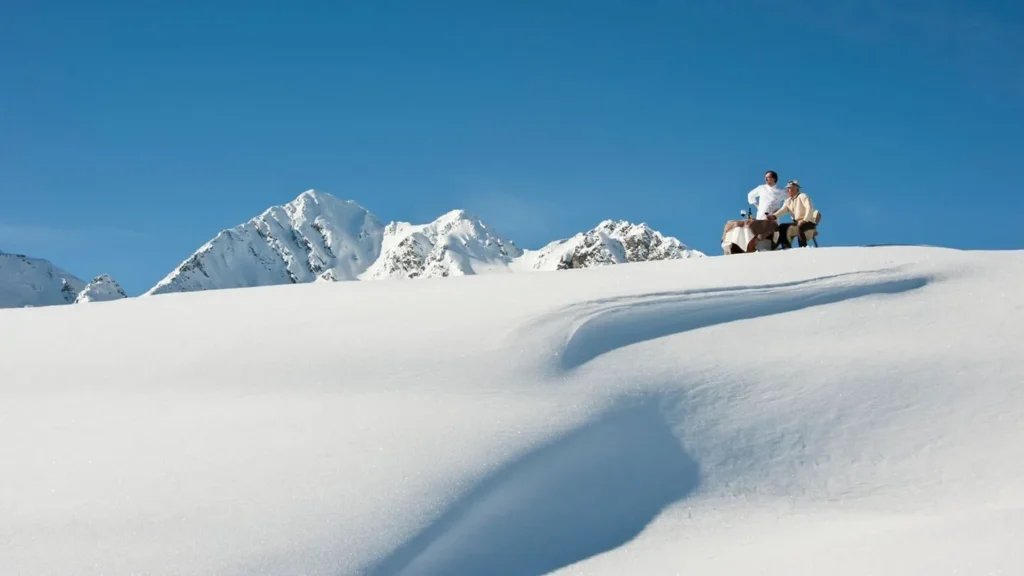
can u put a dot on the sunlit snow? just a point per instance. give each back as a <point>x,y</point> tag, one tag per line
<point>813,411</point>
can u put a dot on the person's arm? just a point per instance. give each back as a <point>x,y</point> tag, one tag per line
<point>810,208</point>
<point>784,210</point>
<point>752,196</point>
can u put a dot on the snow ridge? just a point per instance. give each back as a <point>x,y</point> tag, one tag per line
<point>26,281</point>
<point>102,288</point>
<point>318,237</point>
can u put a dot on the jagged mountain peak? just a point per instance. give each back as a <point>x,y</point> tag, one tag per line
<point>449,221</point>
<point>455,244</point>
<point>641,242</point>
<point>457,214</point>
<point>622,226</point>
<point>313,199</point>
<point>315,236</point>
<point>315,195</point>
<point>313,204</point>
<point>102,288</point>
<point>610,242</point>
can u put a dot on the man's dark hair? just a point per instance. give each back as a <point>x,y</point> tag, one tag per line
<point>774,175</point>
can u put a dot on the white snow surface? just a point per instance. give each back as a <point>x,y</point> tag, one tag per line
<point>320,237</point>
<point>102,288</point>
<point>27,281</point>
<point>841,411</point>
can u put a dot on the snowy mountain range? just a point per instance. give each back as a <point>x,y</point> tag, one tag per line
<point>318,237</point>
<point>32,282</point>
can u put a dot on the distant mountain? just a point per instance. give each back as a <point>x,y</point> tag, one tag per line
<point>456,244</point>
<point>610,242</point>
<point>103,288</point>
<point>26,281</point>
<point>318,237</point>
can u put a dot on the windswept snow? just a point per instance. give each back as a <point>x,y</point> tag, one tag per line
<point>102,288</point>
<point>824,411</point>
<point>26,281</point>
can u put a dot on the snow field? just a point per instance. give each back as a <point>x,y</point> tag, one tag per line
<point>841,410</point>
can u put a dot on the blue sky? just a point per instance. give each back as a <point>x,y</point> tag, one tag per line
<point>132,132</point>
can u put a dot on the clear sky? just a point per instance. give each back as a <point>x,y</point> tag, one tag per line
<point>132,132</point>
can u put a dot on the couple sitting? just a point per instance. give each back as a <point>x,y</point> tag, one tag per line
<point>773,203</point>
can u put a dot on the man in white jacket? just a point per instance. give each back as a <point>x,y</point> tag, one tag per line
<point>768,196</point>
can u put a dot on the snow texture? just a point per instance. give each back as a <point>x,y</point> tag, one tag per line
<point>811,411</point>
<point>26,281</point>
<point>319,237</point>
<point>102,288</point>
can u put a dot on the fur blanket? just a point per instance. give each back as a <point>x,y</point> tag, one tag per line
<point>759,228</point>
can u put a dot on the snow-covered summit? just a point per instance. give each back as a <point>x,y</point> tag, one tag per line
<point>456,244</point>
<point>102,288</point>
<point>315,236</point>
<point>26,281</point>
<point>610,242</point>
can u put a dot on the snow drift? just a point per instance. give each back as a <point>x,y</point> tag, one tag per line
<point>830,411</point>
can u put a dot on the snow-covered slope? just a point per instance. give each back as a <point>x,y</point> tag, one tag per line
<point>319,237</point>
<point>102,288</point>
<point>316,236</point>
<point>26,281</point>
<point>800,412</point>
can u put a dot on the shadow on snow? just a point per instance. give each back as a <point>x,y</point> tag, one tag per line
<point>597,487</point>
<point>585,493</point>
<point>645,319</point>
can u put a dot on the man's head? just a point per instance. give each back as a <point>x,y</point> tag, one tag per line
<point>771,177</point>
<point>793,188</point>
